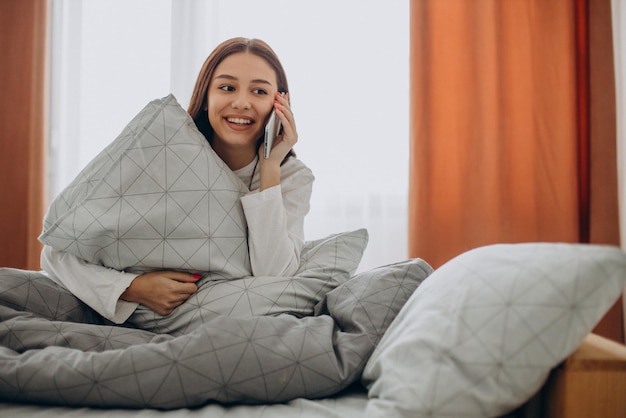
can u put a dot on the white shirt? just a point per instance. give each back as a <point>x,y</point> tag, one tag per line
<point>275,219</point>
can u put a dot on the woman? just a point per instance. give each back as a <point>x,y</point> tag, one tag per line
<point>239,85</point>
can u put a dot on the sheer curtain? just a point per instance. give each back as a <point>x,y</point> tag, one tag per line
<point>347,64</point>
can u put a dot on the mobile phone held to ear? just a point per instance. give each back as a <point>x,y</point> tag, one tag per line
<point>271,132</point>
<point>272,129</point>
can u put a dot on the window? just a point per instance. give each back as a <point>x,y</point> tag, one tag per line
<point>347,63</point>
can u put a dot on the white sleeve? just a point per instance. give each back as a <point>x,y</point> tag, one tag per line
<point>275,220</point>
<point>97,286</point>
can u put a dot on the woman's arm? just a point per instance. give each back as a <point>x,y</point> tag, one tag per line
<point>97,286</point>
<point>115,294</point>
<point>275,213</point>
<point>275,218</point>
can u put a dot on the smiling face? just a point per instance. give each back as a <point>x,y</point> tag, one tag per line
<point>240,98</point>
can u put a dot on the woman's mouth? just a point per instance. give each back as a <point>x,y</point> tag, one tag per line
<point>239,121</point>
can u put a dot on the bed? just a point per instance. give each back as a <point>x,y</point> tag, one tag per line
<point>491,333</point>
<point>459,344</point>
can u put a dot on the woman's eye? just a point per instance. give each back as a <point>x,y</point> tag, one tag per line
<point>259,91</point>
<point>226,88</point>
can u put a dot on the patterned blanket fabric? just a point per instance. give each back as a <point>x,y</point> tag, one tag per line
<point>325,264</point>
<point>56,350</point>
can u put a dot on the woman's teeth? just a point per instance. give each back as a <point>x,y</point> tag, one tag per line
<point>239,121</point>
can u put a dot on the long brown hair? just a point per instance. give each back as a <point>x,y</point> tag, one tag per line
<point>198,103</point>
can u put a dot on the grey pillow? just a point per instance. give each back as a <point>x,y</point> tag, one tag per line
<point>158,197</point>
<point>480,335</point>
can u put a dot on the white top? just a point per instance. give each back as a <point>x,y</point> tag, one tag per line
<point>274,216</point>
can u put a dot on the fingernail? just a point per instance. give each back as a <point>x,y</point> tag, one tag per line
<point>197,276</point>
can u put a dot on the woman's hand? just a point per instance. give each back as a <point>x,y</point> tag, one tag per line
<point>270,167</point>
<point>161,291</point>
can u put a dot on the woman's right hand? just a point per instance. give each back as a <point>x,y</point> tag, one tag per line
<point>161,291</point>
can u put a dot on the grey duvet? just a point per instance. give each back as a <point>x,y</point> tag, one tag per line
<point>55,350</point>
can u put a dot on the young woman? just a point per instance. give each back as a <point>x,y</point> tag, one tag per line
<point>240,84</point>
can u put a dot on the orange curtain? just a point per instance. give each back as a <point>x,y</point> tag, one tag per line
<point>511,126</point>
<point>602,146</point>
<point>23,48</point>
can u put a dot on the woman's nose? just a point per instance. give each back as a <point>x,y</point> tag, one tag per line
<point>242,101</point>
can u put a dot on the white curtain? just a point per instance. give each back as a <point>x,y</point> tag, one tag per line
<point>618,13</point>
<point>348,68</point>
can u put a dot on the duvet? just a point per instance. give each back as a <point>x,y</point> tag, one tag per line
<point>55,350</point>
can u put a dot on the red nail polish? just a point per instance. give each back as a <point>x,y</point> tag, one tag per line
<point>197,276</point>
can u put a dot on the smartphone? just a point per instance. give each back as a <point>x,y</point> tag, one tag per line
<point>272,129</point>
<point>271,132</point>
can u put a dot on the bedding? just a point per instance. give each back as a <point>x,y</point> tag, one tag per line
<point>325,264</point>
<point>477,338</point>
<point>349,403</point>
<point>481,334</point>
<point>156,198</point>
<point>56,351</point>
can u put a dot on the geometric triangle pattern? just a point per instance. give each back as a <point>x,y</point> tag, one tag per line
<point>158,197</point>
<point>261,359</point>
<point>482,333</point>
<point>325,264</point>
<point>34,293</point>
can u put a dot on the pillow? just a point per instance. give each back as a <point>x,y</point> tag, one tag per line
<point>481,334</point>
<point>144,202</point>
<point>336,256</point>
<point>324,264</point>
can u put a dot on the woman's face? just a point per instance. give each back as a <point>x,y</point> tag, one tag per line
<point>240,97</point>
